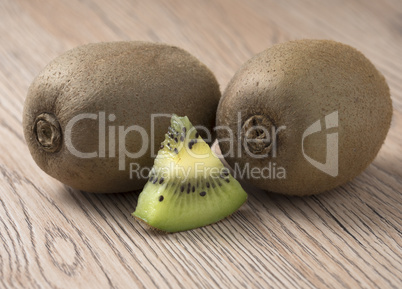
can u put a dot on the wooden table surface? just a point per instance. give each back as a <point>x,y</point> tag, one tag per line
<point>53,236</point>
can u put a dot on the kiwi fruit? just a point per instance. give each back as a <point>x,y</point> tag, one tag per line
<point>108,93</point>
<point>312,113</point>
<point>188,186</point>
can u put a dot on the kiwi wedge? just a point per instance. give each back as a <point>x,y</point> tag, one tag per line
<point>188,186</point>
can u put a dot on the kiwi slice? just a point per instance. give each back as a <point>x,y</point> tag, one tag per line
<point>188,186</point>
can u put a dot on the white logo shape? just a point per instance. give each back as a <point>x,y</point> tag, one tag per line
<point>330,166</point>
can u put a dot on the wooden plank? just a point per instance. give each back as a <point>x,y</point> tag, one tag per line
<point>55,237</point>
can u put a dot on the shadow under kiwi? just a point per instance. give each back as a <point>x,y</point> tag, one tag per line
<point>366,204</point>
<point>344,207</point>
<point>373,196</point>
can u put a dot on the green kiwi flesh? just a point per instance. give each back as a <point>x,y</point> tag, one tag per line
<point>188,186</point>
<point>287,89</point>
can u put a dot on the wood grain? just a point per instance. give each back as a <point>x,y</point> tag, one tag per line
<point>55,237</point>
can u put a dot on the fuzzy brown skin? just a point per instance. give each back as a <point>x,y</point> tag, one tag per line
<point>131,80</point>
<point>294,84</point>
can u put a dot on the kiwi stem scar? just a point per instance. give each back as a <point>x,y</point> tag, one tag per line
<point>48,132</point>
<point>255,135</point>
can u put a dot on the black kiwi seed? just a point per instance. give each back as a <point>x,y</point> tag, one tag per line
<point>161,180</point>
<point>155,180</point>
<point>176,151</point>
<point>225,172</point>
<point>184,129</point>
<point>188,188</point>
<point>207,185</point>
<point>202,194</point>
<point>182,189</point>
<point>224,175</point>
<point>193,189</point>
<point>175,139</point>
<point>151,178</point>
<point>227,180</point>
<point>182,138</point>
<point>197,134</point>
<point>161,198</point>
<point>191,143</point>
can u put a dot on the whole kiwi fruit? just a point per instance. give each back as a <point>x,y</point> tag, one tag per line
<point>90,117</point>
<point>303,117</point>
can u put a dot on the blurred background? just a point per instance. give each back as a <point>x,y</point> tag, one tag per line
<point>221,33</point>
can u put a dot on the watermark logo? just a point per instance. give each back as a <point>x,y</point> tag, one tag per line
<point>256,139</point>
<point>330,166</point>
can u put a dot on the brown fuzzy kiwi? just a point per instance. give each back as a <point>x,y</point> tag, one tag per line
<point>294,85</point>
<point>127,81</point>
